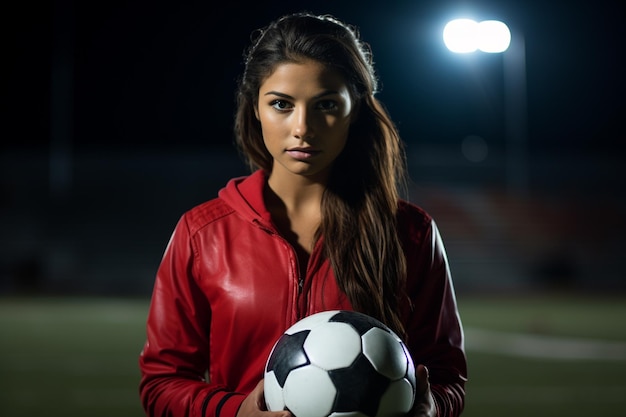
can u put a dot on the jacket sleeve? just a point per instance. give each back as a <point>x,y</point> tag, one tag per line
<point>174,360</point>
<point>435,333</point>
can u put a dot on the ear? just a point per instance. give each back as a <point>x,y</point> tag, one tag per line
<point>256,111</point>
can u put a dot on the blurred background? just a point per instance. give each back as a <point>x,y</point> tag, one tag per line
<point>116,117</point>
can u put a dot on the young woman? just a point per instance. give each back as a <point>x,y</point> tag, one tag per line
<point>318,225</point>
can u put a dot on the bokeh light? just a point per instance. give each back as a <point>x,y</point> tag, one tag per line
<point>466,35</point>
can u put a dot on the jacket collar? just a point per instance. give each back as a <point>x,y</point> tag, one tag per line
<point>245,196</point>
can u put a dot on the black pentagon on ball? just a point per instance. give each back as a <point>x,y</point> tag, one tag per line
<point>288,354</point>
<point>362,323</point>
<point>366,387</point>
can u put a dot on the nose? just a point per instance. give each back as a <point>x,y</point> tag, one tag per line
<point>301,128</point>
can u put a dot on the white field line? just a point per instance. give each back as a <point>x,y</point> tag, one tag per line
<point>546,347</point>
<point>510,394</point>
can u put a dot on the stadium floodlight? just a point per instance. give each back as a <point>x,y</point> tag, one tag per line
<point>459,35</point>
<point>493,36</point>
<point>466,35</point>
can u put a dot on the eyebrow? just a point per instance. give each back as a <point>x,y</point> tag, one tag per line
<point>283,95</point>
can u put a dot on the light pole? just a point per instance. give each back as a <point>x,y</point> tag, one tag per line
<point>492,36</point>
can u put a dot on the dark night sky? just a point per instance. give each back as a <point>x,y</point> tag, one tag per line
<point>161,74</point>
<point>111,112</point>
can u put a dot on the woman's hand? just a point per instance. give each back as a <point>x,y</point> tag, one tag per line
<point>254,405</point>
<point>424,401</point>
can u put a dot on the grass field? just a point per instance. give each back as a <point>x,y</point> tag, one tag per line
<point>541,356</point>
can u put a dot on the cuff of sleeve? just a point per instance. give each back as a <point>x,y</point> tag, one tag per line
<point>223,404</point>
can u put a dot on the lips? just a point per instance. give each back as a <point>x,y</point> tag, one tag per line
<point>302,153</point>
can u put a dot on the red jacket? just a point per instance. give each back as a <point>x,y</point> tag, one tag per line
<point>228,286</point>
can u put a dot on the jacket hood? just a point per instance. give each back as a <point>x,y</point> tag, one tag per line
<point>245,196</point>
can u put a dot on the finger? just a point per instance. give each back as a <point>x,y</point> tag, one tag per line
<point>259,395</point>
<point>422,379</point>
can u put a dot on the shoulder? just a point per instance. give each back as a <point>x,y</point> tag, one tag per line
<point>242,196</point>
<point>412,214</point>
<point>414,222</point>
<point>205,214</point>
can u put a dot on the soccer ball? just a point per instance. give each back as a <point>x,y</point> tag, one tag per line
<point>340,364</point>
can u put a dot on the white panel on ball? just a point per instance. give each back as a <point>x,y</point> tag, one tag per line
<point>324,342</point>
<point>398,398</point>
<point>385,352</point>
<point>317,401</point>
<point>273,392</point>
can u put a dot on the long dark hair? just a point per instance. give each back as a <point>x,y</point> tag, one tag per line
<point>359,206</point>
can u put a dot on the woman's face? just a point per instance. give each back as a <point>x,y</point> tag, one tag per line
<point>305,113</point>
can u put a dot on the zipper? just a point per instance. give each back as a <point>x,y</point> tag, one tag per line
<point>293,251</point>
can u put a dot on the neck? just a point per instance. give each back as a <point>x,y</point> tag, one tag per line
<point>296,192</point>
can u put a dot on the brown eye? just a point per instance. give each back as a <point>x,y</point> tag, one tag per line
<point>281,105</point>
